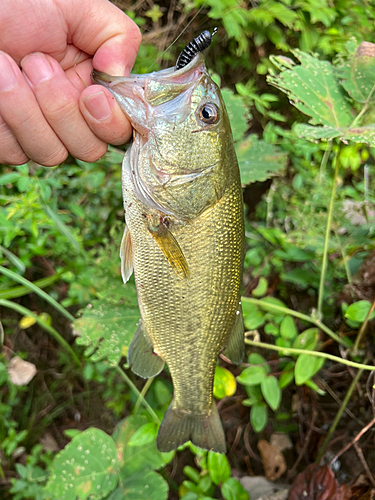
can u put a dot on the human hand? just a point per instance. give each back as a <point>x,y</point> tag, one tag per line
<point>46,111</point>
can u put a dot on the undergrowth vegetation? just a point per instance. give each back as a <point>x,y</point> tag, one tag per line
<point>298,82</point>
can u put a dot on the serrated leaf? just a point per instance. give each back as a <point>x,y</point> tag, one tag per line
<point>258,416</point>
<point>218,467</point>
<point>107,328</point>
<point>360,135</point>
<point>314,89</point>
<point>224,383</point>
<point>86,468</point>
<point>358,73</point>
<point>258,161</point>
<point>271,391</point>
<point>306,367</point>
<point>237,113</point>
<point>143,486</point>
<point>134,459</point>
<point>233,490</point>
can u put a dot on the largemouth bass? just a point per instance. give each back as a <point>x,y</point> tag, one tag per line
<point>184,238</point>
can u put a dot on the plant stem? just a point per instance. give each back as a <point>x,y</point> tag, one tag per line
<point>37,290</point>
<point>285,310</point>
<point>55,334</point>
<point>362,330</point>
<point>291,350</point>
<point>142,394</point>
<point>338,416</point>
<point>326,239</point>
<point>323,165</point>
<point>138,394</point>
<point>363,110</point>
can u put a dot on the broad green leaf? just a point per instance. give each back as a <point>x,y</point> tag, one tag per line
<point>252,375</point>
<point>144,435</point>
<point>141,486</point>
<point>307,339</point>
<point>358,311</point>
<point>107,328</point>
<point>358,73</point>
<point>218,467</point>
<point>257,359</point>
<point>272,329</point>
<point>258,416</point>
<point>237,113</point>
<point>314,89</point>
<point>233,490</point>
<point>271,391</point>
<point>306,367</point>
<point>86,468</point>
<point>258,161</point>
<point>135,459</point>
<point>191,473</point>
<point>224,383</point>
<point>261,288</point>
<point>364,134</point>
<point>287,376</point>
<point>9,178</point>
<point>288,330</point>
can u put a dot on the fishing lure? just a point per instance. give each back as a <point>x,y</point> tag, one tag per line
<point>199,43</point>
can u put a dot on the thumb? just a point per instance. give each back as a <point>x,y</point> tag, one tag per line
<point>99,27</point>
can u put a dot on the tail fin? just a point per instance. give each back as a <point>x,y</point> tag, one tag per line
<point>179,426</point>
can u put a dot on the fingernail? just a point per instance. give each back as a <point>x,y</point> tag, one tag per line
<point>7,75</point>
<point>37,68</point>
<point>98,106</point>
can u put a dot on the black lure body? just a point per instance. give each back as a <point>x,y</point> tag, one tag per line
<point>199,43</point>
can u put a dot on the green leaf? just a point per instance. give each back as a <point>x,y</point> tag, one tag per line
<point>287,376</point>
<point>306,367</point>
<point>261,288</point>
<point>258,416</point>
<point>258,359</point>
<point>233,490</point>
<point>307,339</point>
<point>258,161</point>
<point>288,330</point>
<point>108,328</point>
<point>61,226</point>
<point>218,467</point>
<point>252,375</point>
<point>224,383</point>
<point>141,486</point>
<point>9,178</point>
<point>135,459</point>
<point>144,435</point>
<point>237,113</point>
<point>365,134</point>
<point>314,89</point>
<point>358,74</point>
<point>271,391</point>
<point>358,311</point>
<point>86,468</point>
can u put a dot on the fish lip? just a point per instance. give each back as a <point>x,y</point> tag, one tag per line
<point>166,75</point>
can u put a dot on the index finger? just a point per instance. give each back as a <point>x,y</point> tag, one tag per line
<point>99,27</point>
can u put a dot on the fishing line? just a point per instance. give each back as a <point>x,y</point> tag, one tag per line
<point>175,40</point>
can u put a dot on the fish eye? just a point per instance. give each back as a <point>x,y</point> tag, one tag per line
<point>209,113</point>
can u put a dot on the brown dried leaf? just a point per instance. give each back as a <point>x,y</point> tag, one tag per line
<point>273,460</point>
<point>21,372</point>
<point>315,483</point>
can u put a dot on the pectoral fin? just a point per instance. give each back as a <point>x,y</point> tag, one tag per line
<point>236,345</point>
<point>126,255</point>
<point>144,362</point>
<point>171,249</point>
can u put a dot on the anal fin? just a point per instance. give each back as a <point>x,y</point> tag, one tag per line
<point>179,426</point>
<point>126,255</point>
<point>235,348</point>
<point>144,362</point>
<point>171,249</point>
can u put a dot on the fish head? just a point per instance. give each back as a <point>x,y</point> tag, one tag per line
<point>182,137</point>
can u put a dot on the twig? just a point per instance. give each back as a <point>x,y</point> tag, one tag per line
<point>349,445</point>
<point>247,444</point>
<point>305,445</point>
<point>364,463</point>
<point>290,350</point>
<point>339,402</point>
<point>142,394</point>
<point>338,416</point>
<point>326,239</point>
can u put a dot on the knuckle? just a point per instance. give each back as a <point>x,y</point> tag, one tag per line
<point>53,159</point>
<point>93,154</point>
